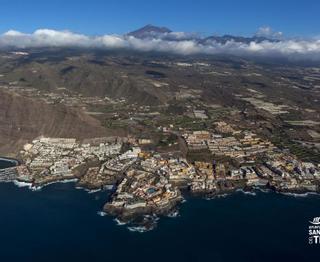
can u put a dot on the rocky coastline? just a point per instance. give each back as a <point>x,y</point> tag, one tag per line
<point>126,215</point>
<point>136,215</point>
<point>143,185</point>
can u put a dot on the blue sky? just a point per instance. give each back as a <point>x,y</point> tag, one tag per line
<point>95,17</point>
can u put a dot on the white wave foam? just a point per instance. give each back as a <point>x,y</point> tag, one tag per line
<point>217,196</point>
<point>22,184</point>
<point>38,188</point>
<point>139,229</point>
<point>68,180</point>
<point>173,214</point>
<point>93,191</point>
<point>263,190</point>
<point>108,187</point>
<point>101,213</point>
<point>300,195</point>
<point>26,184</point>
<point>153,217</point>
<point>89,191</point>
<point>246,192</point>
<point>119,222</point>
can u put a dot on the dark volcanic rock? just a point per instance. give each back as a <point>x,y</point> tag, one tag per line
<point>149,31</point>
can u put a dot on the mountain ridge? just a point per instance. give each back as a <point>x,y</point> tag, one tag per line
<point>148,30</point>
<point>161,32</point>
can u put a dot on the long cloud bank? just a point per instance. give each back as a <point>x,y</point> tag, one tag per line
<point>176,43</point>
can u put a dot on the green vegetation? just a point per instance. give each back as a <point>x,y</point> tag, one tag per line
<point>218,113</point>
<point>166,140</point>
<point>302,152</point>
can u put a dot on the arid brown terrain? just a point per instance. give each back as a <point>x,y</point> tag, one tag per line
<point>90,93</point>
<point>22,119</point>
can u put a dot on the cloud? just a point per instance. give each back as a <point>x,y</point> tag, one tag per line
<point>268,32</point>
<point>43,38</point>
<point>172,36</point>
<point>175,42</point>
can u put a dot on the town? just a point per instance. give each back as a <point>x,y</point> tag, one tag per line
<point>146,182</point>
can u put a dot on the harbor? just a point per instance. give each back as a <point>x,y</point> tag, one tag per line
<point>8,162</point>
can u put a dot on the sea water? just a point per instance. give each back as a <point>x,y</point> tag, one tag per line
<point>61,223</point>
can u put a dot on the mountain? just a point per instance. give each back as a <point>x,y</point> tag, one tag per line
<point>239,39</point>
<point>149,31</point>
<point>68,92</point>
<point>22,119</point>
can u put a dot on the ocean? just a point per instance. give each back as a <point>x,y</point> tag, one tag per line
<point>7,163</point>
<point>61,223</point>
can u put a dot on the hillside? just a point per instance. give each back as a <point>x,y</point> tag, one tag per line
<point>23,119</point>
